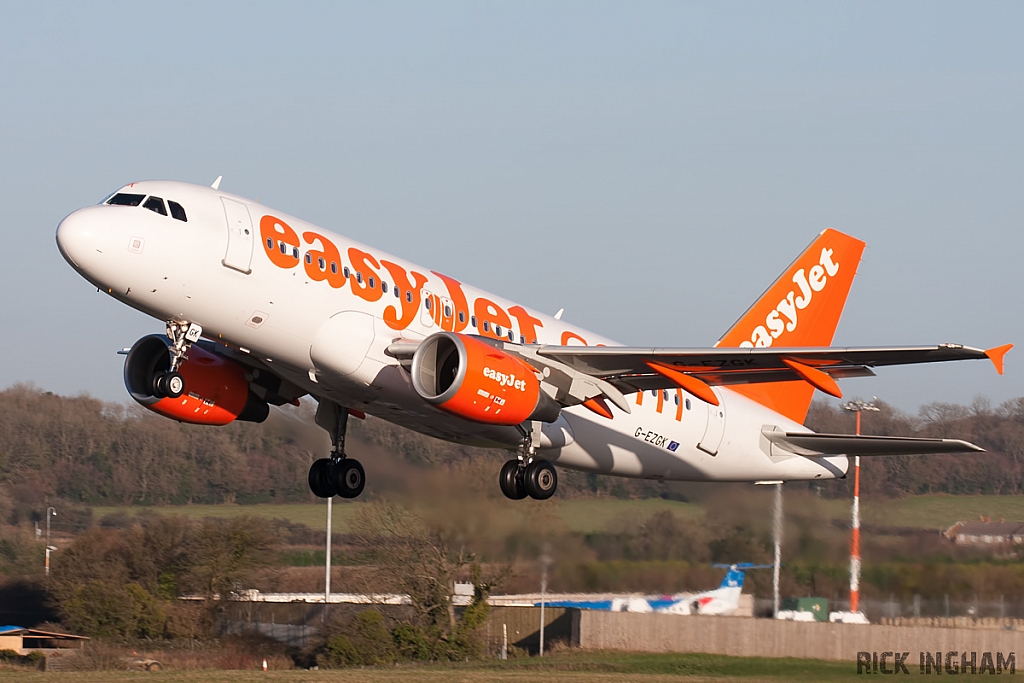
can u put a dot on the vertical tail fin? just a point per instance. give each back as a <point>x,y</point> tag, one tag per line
<point>737,572</point>
<point>733,578</point>
<point>801,308</point>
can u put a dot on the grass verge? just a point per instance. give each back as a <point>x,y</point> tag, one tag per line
<point>572,665</point>
<point>581,515</point>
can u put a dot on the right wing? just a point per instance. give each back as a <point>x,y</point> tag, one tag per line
<point>627,370</point>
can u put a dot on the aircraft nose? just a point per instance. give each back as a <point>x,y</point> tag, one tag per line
<point>78,236</point>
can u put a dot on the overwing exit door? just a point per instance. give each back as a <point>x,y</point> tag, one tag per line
<point>715,429</point>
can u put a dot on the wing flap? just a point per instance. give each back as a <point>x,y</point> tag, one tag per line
<point>849,444</point>
<point>610,361</point>
<point>632,383</point>
<point>696,370</point>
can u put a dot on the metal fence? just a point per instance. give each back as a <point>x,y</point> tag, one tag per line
<point>298,635</point>
<point>918,607</point>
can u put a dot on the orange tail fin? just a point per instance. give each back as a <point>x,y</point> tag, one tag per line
<point>801,308</point>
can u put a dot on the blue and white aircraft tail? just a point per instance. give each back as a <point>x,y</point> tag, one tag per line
<point>719,601</point>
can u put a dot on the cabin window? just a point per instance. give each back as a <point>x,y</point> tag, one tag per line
<point>334,267</point>
<point>124,199</point>
<point>156,205</point>
<point>447,311</point>
<point>487,326</point>
<point>373,283</point>
<point>359,277</point>
<point>687,404</point>
<point>295,252</point>
<point>284,247</point>
<point>472,321</point>
<point>462,316</point>
<point>346,272</point>
<point>511,336</point>
<point>322,263</point>
<point>497,329</point>
<point>383,286</point>
<point>408,295</point>
<point>270,243</point>
<point>427,303</point>
<point>309,257</point>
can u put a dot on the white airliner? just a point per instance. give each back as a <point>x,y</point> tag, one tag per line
<point>723,600</point>
<point>262,308</point>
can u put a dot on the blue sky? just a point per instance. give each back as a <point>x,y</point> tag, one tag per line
<point>650,167</point>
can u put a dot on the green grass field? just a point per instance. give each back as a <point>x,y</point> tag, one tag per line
<point>941,511</point>
<point>570,665</point>
<point>601,514</point>
<point>583,515</point>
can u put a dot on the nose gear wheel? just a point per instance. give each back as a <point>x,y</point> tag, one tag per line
<point>183,334</point>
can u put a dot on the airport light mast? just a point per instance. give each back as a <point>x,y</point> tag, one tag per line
<point>857,407</point>
<point>50,513</point>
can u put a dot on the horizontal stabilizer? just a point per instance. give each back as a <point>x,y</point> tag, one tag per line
<point>849,444</point>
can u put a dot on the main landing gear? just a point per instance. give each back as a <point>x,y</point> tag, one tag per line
<point>528,475</point>
<point>170,383</point>
<point>336,475</point>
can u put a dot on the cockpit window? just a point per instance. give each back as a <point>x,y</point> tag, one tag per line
<point>124,199</point>
<point>177,211</point>
<point>155,204</point>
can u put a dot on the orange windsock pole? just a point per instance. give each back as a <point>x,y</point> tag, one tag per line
<point>857,407</point>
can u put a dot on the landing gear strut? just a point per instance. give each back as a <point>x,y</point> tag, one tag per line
<point>336,475</point>
<point>170,384</point>
<point>528,475</point>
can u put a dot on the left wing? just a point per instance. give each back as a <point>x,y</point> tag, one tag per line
<point>802,443</point>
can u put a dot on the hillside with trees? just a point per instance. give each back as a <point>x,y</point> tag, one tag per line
<point>84,451</point>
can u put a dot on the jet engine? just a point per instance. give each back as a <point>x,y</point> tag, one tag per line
<point>215,391</point>
<point>472,379</point>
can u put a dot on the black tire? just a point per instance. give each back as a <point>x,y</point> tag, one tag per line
<point>174,384</point>
<point>157,386</point>
<point>511,481</point>
<point>168,385</point>
<point>320,479</point>
<point>348,478</point>
<point>540,479</point>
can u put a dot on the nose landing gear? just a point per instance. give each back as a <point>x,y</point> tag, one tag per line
<point>337,475</point>
<point>170,384</point>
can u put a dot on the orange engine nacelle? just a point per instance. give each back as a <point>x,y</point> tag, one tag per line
<point>216,389</point>
<point>470,378</point>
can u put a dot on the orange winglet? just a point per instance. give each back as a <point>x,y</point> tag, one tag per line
<point>686,382</point>
<point>996,356</point>
<point>598,405</point>
<point>357,413</point>
<point>814,377</point>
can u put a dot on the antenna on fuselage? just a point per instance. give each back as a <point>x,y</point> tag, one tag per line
<point>558,316</point>
<point>216,183</point>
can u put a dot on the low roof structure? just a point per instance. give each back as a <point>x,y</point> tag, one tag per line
<point>986,532</point>
<point>25,640</point>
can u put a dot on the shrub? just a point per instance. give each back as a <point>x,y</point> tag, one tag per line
<point>413,642</point>
<point>364,641</point>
